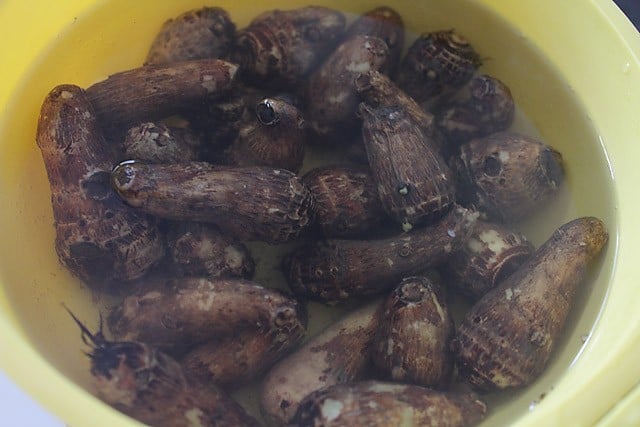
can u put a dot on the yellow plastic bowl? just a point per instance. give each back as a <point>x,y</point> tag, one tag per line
<point>572,66</point>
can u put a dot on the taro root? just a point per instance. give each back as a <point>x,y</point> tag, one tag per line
<point>437,65</point>
<point>158,143</point>
<point>374,403</point>
<point>158,91</point>
<point>280,48</point>
<point>220,120</point>
<point>347,203</point>
<point>175,313</point>
<point>340,354</point>
<point>205,33</point>
<point>198,249</point>
<point>489,108</point>
<point>412,342</point>
<point>98,238</point>
<point>331,97</point>
<point>378,90</point>
<point>152,387</point>
<point>505,340</point>
<point>248,203</point>
<point>273,137</point>
<point>336,270</point>
<point>386,24</point>
<point>413,180</point>
<point>490,255</point>
<point>507,175</point>
<point>236,360</point>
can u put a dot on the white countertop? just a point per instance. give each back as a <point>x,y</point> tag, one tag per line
<point>18,409</point>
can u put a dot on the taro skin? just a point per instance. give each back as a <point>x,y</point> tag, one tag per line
<point>339,354</point>
<point>412,341</point>
<point>414,183</point>
<point>248,203</point>
<point>100,240</point>
<point>280,48</point>
<point>507,337</point>
<point>336,270</point>
<point>153,388</point>
<point>202,33</point>
<point>507,175</point>
<point>175,314</point>
<point>376,403</point>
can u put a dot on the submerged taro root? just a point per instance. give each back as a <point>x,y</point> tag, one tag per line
<point>413,180</point>
<point>236,360</point>
<point>339,354</point>
<point>219,121</point>
<point>505,340</point>
<point>507,175</point>
<point>176,313</point>
<point>386,24</point>
<point>347,203</point>
<point>412,342</point>
<point>151,387</point>
<point>248,203</point>
<point>198,249</point>
<point>490,255</point>
<point>331,96</point>
<point>158,91</point>
<point>158,143</point>
<point>98,238</point>
<point>274,136</point>
<point>436,65</point>
<point>336,270</point>
<point>202,33</point>
<point>374,403</point>
<point>489,108</point>
<point>281,47</point>
<point>378,90</point>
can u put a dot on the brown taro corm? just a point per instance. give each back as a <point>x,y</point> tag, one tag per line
<point>155,92</point>
<point>386,24</point>
<point>200,250</point>
<point>412,342</point>
<point>98,239</point>
<point>492,253</point>
<point>336,270</point>
<point>153,388</point>
<point>330,94</point>
<point>155,142</point>
<point>339,354</point>
<point>414,182</point>
<point>507,337</point>
<point>174,314</point>
<point>273,136</point>
<point>280,48</point>
<point>248,203</point>
<point>378,90</point>
<point>347,203</point>
<point>237,359</point>
<point>488,108</point>
<point>219,121</point>
<point>205,33</point>
<point>375,403</point>
<point>507,175</point>
<point>436,66</point>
